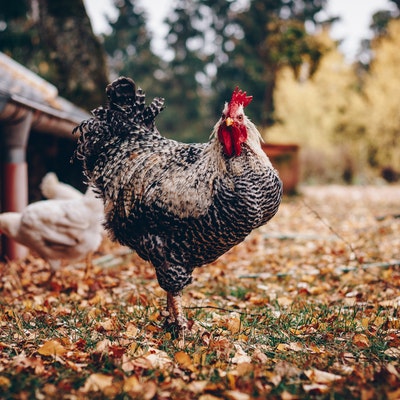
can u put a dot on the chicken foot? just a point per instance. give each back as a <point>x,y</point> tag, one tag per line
<point>175,311</point>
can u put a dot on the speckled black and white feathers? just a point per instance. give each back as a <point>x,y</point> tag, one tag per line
<point>180,206</point>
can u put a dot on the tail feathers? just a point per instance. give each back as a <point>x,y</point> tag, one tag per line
<point>52,188</point>
<point>121,93</point>
<point>123,96</point>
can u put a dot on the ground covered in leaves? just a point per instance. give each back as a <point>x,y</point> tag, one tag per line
<point>306,307</point>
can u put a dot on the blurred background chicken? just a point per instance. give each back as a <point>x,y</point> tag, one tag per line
<point>66,229</point>
<point>52,188</point>
<point>180,206</point>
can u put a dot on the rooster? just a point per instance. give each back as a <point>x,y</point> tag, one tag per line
<point>179,206</point>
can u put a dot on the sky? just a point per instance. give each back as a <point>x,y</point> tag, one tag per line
<point>354,26</point>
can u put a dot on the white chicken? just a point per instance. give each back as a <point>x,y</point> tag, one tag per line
<point>52,188</point>
<point>57,230</point>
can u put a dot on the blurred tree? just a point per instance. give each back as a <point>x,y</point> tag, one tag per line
<point>322,113</point>
<point>129,46</point>
<point>130,53</point>
<point>78,65</point>
<point>259,40</point>
<point>185,78</point>
<point>55,39</point>
<point>381,87</point>
<point>216,45</point>
<point>19,33</point>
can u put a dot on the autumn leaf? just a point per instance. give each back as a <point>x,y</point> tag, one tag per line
<point>97,382</point>
<point>291,281</point>
<point>184,360</point>
<point>316,388</point>
<point>317,376</point>
<point>4,382</point>
<point>52,348</point>
<point>236,395</point>
<point>361,340</point>
<point>240,356</point>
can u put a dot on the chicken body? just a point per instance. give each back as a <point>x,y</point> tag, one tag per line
<point>57,229</point>
<point>180,206</point>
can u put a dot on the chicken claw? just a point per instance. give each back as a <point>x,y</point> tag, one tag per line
<point>175,312</point>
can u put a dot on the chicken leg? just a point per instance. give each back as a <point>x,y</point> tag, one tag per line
<point>175,311</point>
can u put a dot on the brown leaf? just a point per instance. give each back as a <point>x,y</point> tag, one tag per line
<point>317,376</point>
<point>236,395</point>
<point>52,348</point>
<point>316,388</point>
<point>361,340</point>
<point>184,360</point>
<point>4,382</point>
<point>97,382</point>
<point>131,384</point>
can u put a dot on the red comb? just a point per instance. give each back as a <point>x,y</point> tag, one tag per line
<point>240,97</point>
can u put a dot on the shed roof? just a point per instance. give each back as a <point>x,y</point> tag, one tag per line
<point>20,88</point>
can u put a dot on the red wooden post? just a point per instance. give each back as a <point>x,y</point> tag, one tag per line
<point>14,180</point>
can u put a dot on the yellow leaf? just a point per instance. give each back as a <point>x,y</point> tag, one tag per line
<point>282,347</point>
<point>365,322</point>
<point>131,384</point>
<point>378,321</point>
<point>52,348</point>
<point>361,340</point>
<point>110,324</point>
<point>244,368</point>
<point>4,382</point>
<point>184,360</point>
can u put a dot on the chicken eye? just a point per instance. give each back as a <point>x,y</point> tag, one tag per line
<point>240,117</point>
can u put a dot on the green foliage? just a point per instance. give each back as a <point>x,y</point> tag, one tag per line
<point>54,39</point>
<point>272,35</point>
<point>214,46</point>
<point>19,35</point>
<point>128,45</point>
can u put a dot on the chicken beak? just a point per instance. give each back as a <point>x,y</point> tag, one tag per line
<point>229,121</point>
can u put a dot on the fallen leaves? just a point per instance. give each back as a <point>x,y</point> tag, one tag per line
<point>298,310</point>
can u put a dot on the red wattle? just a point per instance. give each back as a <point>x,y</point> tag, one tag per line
<point>232,139</point>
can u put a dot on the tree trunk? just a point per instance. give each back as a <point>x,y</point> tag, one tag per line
<point>77,59</point>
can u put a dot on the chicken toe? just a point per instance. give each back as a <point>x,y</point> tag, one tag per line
<point>175,311</point>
